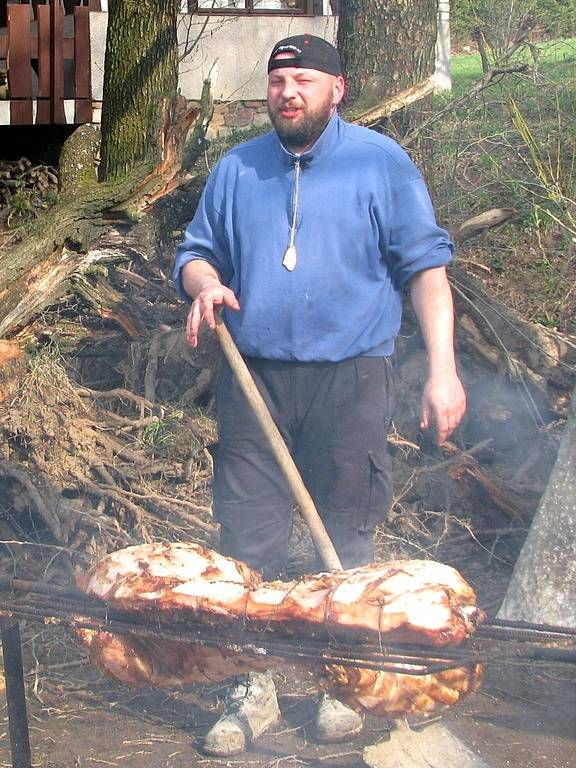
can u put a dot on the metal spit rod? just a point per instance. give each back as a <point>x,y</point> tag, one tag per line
<point>15,694</point>
<point>252,641</point>
<point>69,605</point>
<point>486,645</point>
<point>504,629</point>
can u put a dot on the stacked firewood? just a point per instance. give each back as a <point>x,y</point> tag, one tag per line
<point>25,189</point>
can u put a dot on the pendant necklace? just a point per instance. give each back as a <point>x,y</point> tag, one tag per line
<point>290,256</point>
<point>289,260</point>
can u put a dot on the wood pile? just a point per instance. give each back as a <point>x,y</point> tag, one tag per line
<point>25,189</point>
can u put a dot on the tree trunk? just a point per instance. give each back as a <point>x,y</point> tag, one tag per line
<point>543,584</point>
<point>140,80</point>
<point>385,47</point>
<point>36,272</point>
<point>144,128</point>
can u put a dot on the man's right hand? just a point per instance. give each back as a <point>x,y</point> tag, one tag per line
<point>212,294</point>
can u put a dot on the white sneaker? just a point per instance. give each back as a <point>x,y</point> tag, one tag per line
<point>335,722</point>
<point>251,707</point>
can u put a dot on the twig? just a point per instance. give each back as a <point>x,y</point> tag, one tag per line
<point>68,550</point>
<point>118,393</point>
<point>143,282</point>
<point>119,451</point>
<point>395,439</point>
<point>456,458</point>
<point>114,494</point>
<point>172,506</point>
<point>48,515</point>
<point>488,79</point>
<point>131,424</point>
<point>487,532</point>
<point>476,264</point>
<point>337,755</point>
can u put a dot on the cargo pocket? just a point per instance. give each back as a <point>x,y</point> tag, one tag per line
<point>379,492</point>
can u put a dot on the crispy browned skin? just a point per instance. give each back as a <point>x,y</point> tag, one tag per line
<point>164,663</point>
<point>402,601</point>
<point>390,694</point>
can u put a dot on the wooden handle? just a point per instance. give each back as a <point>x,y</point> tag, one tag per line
<point>289,469</point>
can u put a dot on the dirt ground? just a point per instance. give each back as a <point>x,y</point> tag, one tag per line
<point>524,715</point>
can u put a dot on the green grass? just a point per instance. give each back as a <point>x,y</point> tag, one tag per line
<point>554,57</point>
<point>513,146</point>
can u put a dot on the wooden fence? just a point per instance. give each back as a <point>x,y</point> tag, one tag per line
<point>45,65</point>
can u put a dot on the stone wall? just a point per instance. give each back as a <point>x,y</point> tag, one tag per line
<point>237,115</point>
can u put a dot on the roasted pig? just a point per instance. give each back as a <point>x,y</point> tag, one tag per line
<point>415,601</point>
<point>405,601</point>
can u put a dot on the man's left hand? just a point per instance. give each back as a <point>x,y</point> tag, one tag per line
<point>443,405</point>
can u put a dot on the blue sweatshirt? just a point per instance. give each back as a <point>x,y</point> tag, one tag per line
<point>364,226</point>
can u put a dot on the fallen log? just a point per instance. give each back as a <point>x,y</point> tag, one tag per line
<point>495,217</point>
<point>34,273</point>
<point>368,114</point>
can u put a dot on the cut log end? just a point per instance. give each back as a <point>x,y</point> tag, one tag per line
<point>12,368</point>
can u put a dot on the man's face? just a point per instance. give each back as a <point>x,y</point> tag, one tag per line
<point>300,103</point>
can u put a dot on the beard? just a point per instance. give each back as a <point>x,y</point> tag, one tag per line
<point>303,133</point>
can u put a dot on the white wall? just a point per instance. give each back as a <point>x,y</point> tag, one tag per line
<point>232,50</point>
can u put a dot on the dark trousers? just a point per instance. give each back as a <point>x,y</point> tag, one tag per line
<point>334,419</point>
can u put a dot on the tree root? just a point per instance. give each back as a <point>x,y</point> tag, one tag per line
<point>44,510</point>
<point>113,494</point>
<point>120,394</point>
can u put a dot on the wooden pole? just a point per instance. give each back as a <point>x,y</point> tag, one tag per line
<point>57,114</point>
<point>19,65</point>
<point>82,100</point>
<point>320,537</point>
<point>44,108</point>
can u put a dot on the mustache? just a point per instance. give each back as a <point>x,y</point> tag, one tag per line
<point>290,103</point>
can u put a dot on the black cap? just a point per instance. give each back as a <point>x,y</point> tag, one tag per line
<point>308,52</point>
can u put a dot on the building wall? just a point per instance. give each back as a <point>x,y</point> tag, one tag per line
<point>232,51</point>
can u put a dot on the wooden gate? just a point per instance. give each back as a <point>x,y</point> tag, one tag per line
<point>47,57</point>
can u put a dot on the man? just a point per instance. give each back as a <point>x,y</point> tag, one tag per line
<point>306,237</point>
